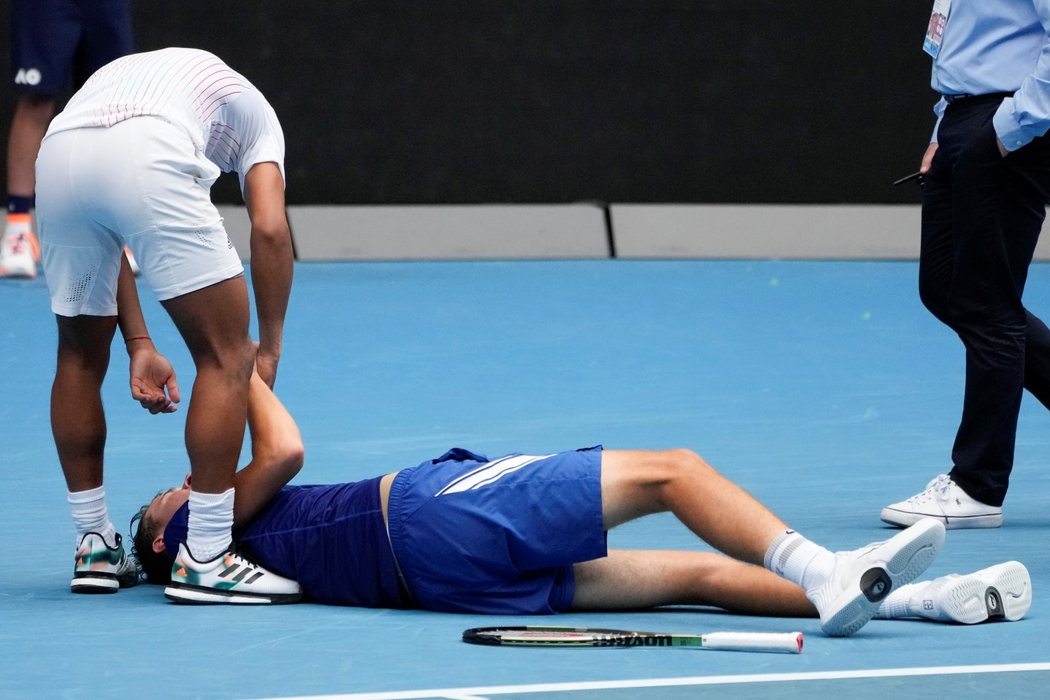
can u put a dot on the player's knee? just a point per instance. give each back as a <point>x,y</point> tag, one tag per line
<point>675,469</point>
<point>233,359</point>
<point>84,359</point>
<point>686,465</point>
<point>682,458</point>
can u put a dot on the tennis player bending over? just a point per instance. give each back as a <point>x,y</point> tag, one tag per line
<point>527,534</point>
<point>130,161</point>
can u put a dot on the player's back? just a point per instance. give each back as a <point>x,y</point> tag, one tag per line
<point>187,87</point>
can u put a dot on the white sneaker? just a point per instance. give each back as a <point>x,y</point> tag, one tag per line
<point>100,568</point>
<point>944,500</point>
<point>17,256</point>
<point>1000,592</point>
<point>862,578</point>
<point>228,578</point>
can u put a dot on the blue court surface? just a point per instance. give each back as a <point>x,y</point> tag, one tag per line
<point>824,388</point>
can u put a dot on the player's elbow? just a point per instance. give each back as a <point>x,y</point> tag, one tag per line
<point>271,234</point>
<point>287,456</point>
<point>293,456</point>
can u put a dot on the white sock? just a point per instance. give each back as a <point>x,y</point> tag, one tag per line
<point>210,529</point>
<point>798,560</point>
<point>90,514</point>
<point>897,603</point>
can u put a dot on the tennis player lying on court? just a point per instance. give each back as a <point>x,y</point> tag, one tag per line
<point>527,534</point>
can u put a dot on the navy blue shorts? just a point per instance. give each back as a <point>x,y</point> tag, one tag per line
<point>55,40</point>
<point>500,537</point>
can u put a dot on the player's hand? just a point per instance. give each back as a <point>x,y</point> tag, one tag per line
<point>153,381</point>
<point>927,158</point>
<point>266,365</point>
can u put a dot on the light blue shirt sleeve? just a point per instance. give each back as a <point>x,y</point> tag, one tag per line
<point>999,46</point>
<point>1026,115</point>
<point>938,109</point>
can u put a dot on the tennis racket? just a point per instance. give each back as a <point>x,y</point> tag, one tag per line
<point>542,636</point>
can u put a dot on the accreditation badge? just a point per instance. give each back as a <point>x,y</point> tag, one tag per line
<point>935,32</point>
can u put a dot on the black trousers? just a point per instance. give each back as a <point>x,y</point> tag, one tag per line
<point>981,217</point>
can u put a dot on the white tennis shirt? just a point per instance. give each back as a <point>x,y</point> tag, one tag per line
<point>226,117</point>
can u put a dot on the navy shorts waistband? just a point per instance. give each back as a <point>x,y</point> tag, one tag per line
<point>953,99</point>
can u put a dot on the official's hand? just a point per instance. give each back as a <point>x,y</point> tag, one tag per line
<point>1002,148</point>
<point>153,381</point>
<point>927,158</point>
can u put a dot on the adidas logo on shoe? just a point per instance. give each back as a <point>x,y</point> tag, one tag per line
<point>228,579</point>
<point>100,568</point>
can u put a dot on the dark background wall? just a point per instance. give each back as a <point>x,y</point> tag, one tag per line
<point>463,101</point>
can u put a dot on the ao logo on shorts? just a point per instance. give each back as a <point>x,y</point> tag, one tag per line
<point>27,76</point>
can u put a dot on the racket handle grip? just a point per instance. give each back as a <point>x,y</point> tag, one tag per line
<point>779,642</point>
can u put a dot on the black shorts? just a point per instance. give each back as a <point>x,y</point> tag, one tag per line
<point>53,41</point>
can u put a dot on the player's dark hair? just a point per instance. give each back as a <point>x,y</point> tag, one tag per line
<point>155,565</point>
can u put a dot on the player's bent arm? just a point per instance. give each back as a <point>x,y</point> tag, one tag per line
<point>272,257</point>
<point>277,452</point>
<point>152,378</point>
<point>129,310</point>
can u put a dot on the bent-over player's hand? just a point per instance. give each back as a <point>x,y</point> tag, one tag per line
<point>153,381</point>
<point>266,365</point>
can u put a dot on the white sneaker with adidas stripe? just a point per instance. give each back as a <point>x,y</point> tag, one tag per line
<point>228,579</point>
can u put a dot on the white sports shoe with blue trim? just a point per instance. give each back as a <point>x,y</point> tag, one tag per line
<point>863,578</point>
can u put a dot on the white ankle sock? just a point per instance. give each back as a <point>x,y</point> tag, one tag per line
<point>797,559</point>
<point>210,528</point>
<point>897,603</point>
<point>90,514</point>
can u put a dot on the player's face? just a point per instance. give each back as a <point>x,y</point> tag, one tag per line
<point>165,505</point>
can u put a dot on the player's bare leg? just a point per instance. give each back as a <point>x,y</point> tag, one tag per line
<point>78,423</point>
<point>19,249</point>
<point>28,124</point>
<point>846,588</point>
<point>634,580</point>
<point>631,580</point>
<point>78,420</point>
<point>214,323</point>
<point>641,482</point>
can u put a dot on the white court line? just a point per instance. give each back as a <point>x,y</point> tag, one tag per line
<point>482,691</point>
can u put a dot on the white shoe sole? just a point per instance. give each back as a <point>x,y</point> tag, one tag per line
<point>199,595</point>
<point>900,560</point>
<point>1000,592</point>
<point>94,583</point>
<point>903,518</point>
<point>19,271</point>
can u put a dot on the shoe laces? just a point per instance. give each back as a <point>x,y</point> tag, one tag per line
<point>18,244</point>
<point>938,489</point>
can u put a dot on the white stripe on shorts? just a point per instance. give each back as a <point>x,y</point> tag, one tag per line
<point>489,473</point>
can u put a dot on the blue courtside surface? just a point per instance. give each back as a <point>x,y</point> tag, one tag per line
<point>824,388</point>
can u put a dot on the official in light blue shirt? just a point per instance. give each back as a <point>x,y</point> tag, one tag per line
<point>985,189</point>
<point>992,46</point>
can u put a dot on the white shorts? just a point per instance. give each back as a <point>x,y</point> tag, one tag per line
<point>139,183</point>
